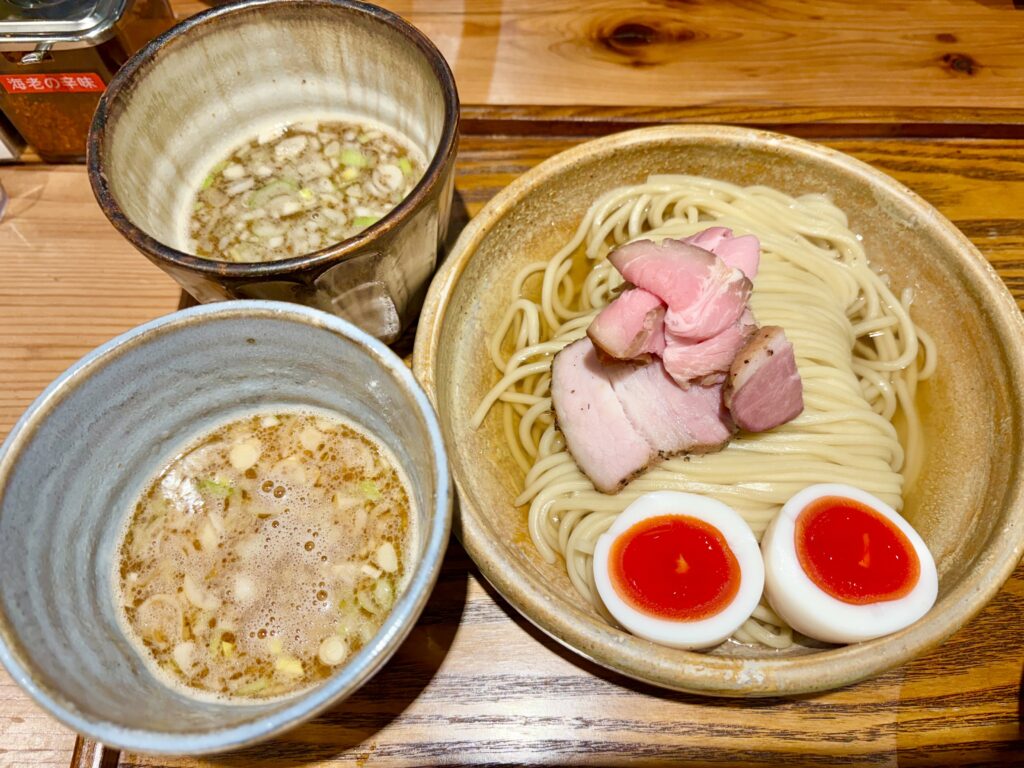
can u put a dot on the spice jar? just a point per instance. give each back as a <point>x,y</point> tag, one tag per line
<point>56,58</point>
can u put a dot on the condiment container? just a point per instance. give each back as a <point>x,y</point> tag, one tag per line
<point>11,142</point>
<point>56,58</point>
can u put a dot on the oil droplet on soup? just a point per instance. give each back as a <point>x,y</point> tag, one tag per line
<point>265,555</point>
<point>300,188</point>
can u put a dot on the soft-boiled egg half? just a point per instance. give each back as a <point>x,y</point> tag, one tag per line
<point>678,569</point>
<point>842,566</point>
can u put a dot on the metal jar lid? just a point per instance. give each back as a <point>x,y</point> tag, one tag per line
<point>46,24</point>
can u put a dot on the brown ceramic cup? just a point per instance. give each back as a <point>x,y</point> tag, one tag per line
<point>189,97</point>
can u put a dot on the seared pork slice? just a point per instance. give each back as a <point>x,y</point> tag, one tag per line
<point>764,388</point>
<point>631,326</point>
<point>704,295</point>
<point>743,253</point>
<point>708,361</point>
<point>672,419</point>
<point>619,417</point>
<point>605,444</point>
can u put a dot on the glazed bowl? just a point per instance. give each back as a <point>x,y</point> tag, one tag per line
<point>187,99</point>
<point>74,465</point>
<point>968,502</point>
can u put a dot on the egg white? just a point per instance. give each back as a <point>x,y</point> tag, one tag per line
<point>813,612</point>
<point>674,633</point>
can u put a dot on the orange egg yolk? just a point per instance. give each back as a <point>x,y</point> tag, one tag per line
<point>674,567</point>
<point>854,553</point>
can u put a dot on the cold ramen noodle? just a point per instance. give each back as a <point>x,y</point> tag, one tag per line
<point>813,298</point>
<point>265,554</point>
<point>298,188</point>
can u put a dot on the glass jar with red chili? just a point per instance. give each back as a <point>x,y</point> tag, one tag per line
<point>56,58</point>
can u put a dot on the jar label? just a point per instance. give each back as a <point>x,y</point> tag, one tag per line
<point>60,82</point>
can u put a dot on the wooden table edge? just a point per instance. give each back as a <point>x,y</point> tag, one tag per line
<point>882,122</point>
<point>804,122</point>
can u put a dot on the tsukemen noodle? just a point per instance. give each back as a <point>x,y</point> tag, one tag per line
<point>859,353</point>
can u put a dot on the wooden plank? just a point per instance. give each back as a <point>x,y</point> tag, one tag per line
<point>70,281</point>
<point>807,122</point>
<point>943,54</point>
<point>475,683</point>
<point>89,754</point>
<point>29,737</point>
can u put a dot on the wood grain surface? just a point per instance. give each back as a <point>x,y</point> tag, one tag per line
<point>946,54</point>
<point>475,684</point>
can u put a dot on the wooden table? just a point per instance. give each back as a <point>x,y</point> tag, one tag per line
<point>929,92</point>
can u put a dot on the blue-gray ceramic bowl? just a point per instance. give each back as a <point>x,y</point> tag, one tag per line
<point>74,464</point>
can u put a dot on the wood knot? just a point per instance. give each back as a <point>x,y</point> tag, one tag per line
<point>960,64</point>
<point>946,37</point>
<point>642,42</point>
<point>630,35</point>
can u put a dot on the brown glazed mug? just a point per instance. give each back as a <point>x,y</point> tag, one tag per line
<point>189,97</point>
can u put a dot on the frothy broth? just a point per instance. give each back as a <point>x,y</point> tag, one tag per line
<point>265,554</point>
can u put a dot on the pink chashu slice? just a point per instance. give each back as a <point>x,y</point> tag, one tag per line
<point>702,293</point>
<point>630,327</point>
<point>764,388</point>
<point>742,253</point>
<point>618,418</point>
<point>707,361</point>
<point>633,326</point>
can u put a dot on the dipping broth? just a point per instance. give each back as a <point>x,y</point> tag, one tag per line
<point>298,188</point>
<point>265,555</point>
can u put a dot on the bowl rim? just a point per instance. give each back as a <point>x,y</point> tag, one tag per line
<point>700,673</point>
<point>364,664</point>
<point>124,81</point>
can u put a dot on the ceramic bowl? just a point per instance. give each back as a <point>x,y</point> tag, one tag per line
<point>968,504</point>
<point>75,463</point>
<point>187,99</point>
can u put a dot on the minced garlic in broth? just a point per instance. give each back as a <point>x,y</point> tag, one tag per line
<point>299,188</point>
<point>265,555</point>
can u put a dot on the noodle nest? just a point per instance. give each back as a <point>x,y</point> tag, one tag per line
<point>858,352</point>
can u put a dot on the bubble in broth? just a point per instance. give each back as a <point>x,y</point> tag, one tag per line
<point>265,555</point>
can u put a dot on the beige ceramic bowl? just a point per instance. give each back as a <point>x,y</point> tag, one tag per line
<point>968,505</point>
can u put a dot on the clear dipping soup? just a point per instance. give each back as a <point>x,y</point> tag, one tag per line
<point>298,188</point>
<point>264,555</point>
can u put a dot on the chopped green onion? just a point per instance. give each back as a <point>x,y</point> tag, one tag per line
<point>289,665</point>
<point>383,594</point>
<point>254,687</point>
<point>216,487</point>
<point>405,165</point>
<point>270,191</point>
<point>207,182</point>
<point>214,642</point>
<point>306,193</point>
<point>366,602</point>
<point>349,174</point>
<point>354,158</point>
<point>365,221</point>
<point>368,487</point>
